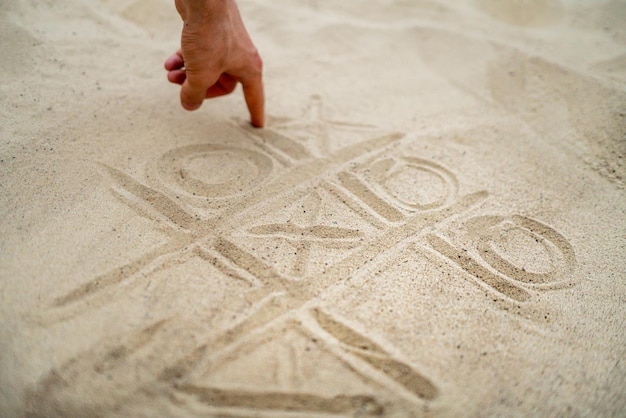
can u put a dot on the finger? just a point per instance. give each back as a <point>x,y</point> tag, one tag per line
<point>255,99</point>
<point>191,98</point>
<point>194,88</point>
<point>225,85</point>
<point>174,61</point>
<point>177,76</point>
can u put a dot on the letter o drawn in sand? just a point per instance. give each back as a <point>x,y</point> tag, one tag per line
<point>414,183</point>
<point>522,249</point>
<point>213,170</point>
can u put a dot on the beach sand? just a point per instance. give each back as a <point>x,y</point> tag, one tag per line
<point>431,224</point>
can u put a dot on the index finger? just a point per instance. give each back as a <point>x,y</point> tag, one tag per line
<point>255,99</point>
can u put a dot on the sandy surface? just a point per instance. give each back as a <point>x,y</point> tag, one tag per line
<point>432,223</point>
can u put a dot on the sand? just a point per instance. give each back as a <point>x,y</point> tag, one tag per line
<point>431,224</point>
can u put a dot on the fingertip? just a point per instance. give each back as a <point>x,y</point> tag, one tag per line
<point>257,121</point>
<point>191,96</point>
<point>255,100</point>
<point>174,62</point>
<point>176,76</point>
<point>190,106</point>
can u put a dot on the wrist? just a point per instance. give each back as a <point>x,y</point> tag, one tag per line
<point>200,12</point>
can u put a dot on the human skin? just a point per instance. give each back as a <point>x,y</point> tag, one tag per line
<point>216,54</point>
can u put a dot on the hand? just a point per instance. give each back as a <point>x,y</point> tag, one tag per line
<point>216,53</point>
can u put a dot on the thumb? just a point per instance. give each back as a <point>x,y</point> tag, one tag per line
<point>192,93</point>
